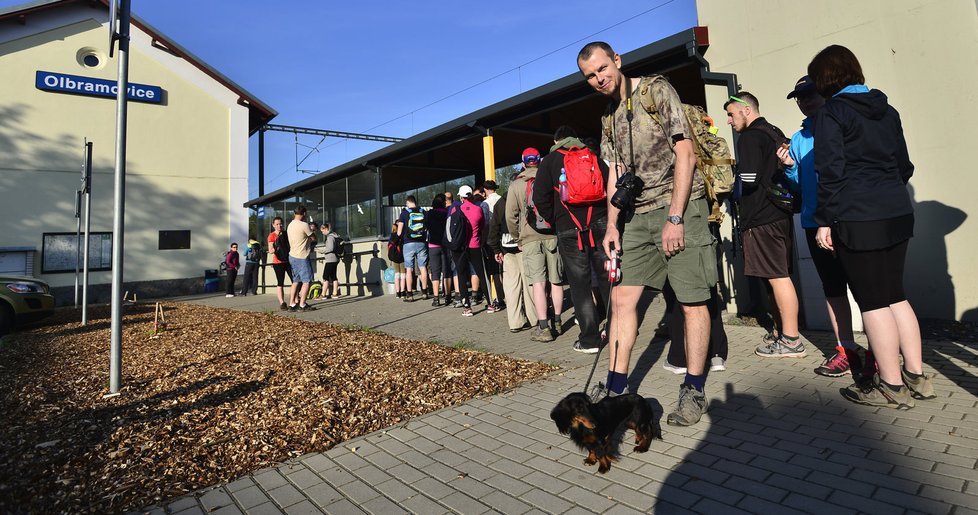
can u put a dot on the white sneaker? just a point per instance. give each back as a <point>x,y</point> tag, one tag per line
<point>717,364</point>
<point>229,295</point>
<point>673,368</point>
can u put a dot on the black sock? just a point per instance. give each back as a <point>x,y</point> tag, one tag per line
<point>791,338</point>
<point>542,324</point>
<point>893,388</point>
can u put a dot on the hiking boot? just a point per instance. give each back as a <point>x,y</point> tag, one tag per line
<point>283,307</point>
<point>690,407</point>
<point>467,312</point>
<point>459,303</point>
<point>920,388</point>
<point>555,325</point>
<point>400,294</point>
<point>875,393</point>
<point>408,296</point>
<point>836,365</point>
<point>673,368</point>
<point>579,347</point>
<point>426,295</point>
<point>717,364</point>
<point>541,334</point>
<point>436,302</point>
<point>781,348</point>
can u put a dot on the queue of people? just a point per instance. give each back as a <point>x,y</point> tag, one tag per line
<point>607,220</point>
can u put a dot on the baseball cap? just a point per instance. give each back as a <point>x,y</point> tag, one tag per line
<point>464,191</point>
<point>531,156</point>
<point>804,85</point>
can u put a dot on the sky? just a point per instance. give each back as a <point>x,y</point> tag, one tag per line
<point>385,67</point>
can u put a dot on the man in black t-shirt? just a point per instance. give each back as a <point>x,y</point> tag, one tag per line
<point>767,228</point>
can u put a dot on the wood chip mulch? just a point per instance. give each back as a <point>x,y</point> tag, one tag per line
<point>219,394</point>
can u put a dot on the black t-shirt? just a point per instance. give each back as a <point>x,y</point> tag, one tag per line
<point>414,226</point>
<point>435,223</point>
<point>758,166</point>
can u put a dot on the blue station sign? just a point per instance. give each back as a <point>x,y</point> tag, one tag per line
<point>90,86</point>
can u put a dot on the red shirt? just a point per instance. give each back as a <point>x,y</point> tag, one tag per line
<point>271,245</point>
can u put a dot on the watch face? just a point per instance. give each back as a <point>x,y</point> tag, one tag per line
<point>675,219</point>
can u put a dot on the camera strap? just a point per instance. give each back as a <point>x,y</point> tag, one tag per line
<point>629,114</point>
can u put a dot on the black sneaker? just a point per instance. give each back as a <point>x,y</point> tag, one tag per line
<point>283,307</point>
<point>586,350</point>
<point>408,297</point>
<point>307,307</point>
<point>293,309</point>
<point>477,299</point>
<point>436,302</point>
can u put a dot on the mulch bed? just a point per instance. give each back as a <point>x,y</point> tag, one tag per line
<point>219,394</point>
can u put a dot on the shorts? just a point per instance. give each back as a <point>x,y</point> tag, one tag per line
<point>541,262</point>
<point>398,268</point>
<point>692,273</point>
<point>301,270</point>
<point>437,264</point>
<point>280,270</point>
<point>767,250</point>
<point>329,272</point>
<point>876,275</point>
<point>415,251</point>
<point>829,269</point>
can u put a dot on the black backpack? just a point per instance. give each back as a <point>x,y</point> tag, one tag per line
<point>395,247</point>
<point>281,247</point>
<point>458,232</point>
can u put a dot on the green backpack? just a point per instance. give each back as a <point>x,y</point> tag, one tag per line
<point>713,157</point>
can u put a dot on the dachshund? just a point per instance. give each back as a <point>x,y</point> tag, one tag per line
<point>591,425</point>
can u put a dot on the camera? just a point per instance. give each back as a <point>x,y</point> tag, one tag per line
<point>629,186</point>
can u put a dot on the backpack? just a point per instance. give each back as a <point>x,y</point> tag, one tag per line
<point>281,247</point>
<point>395,247</point>
<point>415,225</point>
<point>254,253</point>
<point>584,182</point>
<point>713,158</point>
<point>339,247</point>
<point>224,262</point>
<point>533,219</point>
<point>458,232</point>
<point>778,192</point>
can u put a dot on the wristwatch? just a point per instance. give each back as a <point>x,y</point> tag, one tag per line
<point>675,219</point>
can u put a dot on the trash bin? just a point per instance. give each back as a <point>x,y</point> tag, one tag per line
<point>212,281</point>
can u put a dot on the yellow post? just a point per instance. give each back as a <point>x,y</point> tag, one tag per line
<point>490,157</point>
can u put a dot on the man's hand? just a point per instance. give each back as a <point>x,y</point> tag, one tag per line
<point>673,239</point>
<point>785,156</point>
<point>612,240</point>
<point>499,257</point>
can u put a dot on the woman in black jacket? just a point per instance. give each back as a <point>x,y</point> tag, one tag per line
<point>865,215</point>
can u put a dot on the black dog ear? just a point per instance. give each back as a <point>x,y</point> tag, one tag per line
<point>561,415</point>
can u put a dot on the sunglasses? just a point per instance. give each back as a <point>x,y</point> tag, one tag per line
<point>735,99</point>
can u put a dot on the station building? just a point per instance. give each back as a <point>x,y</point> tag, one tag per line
<point>187,152</point>
<point>921,53</point>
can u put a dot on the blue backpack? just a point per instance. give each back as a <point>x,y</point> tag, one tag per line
<point>458,232</point>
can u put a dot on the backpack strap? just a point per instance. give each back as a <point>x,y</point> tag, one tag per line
<point>581,229</point>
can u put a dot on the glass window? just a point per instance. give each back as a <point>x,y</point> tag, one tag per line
<point>362,205</point>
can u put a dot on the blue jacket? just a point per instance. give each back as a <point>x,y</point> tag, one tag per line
<point>802,174</point>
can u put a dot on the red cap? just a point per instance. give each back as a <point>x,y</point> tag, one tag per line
<point>531,155</point>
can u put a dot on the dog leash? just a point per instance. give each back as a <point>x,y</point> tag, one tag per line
<point>613,266</point>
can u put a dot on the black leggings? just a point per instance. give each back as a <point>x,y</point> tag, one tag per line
<point>875,276</point>
<point>471,257</point>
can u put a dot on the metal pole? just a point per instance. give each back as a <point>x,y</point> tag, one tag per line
<point>78,196</point>
<point>118,221</point>
<point>88,225</point>
<point>261,162</point>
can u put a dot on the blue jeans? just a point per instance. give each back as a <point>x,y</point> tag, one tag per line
<point>415,251</point>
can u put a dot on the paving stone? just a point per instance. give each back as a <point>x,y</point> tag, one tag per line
<point>433,488</point>
<point>779,467</point>
<point>239,484</point>
<point>509,485</point>
<point>709,506</point>
<point>270,479</point>
<point>250,497</point>
<point>422,504</point>
<point>857,462</point>
<point>268,508</point>
<point>322,494</point>
<point>181,504</point>
<point>809,504</point>
<point>406,473</point>
<point>304,478</point>
<point>285,496</point>
<point>462,503</point>
<point>382,505</point>
<point>713,491</point>
<point>193,510</point>
<point>545,500</point>
<point>358,492</point>
<point>505,503</point>
<point>635,499</point>
<point>511,468</point>
<point>214,499</point>
<point>967,473</point>
<point>949,496</point>
<point>820,464</point>
<point>863,504</point>
<point>305,507</point>
<point>344,507</point>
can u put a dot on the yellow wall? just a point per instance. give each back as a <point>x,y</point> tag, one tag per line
<point>924,56</point>
<point>178,159</point>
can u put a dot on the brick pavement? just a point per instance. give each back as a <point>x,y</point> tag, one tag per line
<point>777,438</point>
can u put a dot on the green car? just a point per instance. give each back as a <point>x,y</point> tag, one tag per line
<point>23,300</point>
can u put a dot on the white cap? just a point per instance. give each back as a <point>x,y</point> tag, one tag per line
<point>464,191</point>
